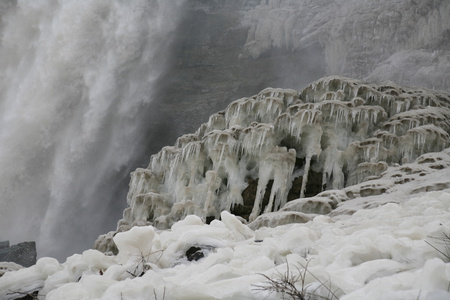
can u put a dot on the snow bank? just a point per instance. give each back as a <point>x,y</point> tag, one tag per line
<point>375,253</point>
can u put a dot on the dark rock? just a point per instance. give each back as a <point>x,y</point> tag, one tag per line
<point>294,192</point>
<point>29,296</point>
<point>249,195</point>
<point>314,184</point>
<point>23,254</point>
<point>197,252</point>
<point>4,244</point>
<point>209,219</point>
<point>313,187</point>
<point>194,253</point>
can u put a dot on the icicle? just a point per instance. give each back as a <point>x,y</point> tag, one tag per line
<point>302,117</point>
<point>213,183</point>
<point>222,150</point>
<point>332,110</point>
<point>354,115</point>
<point>305,176</point>
<point>260,190</point>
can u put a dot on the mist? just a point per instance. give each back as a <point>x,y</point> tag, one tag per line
<point>76,87</point>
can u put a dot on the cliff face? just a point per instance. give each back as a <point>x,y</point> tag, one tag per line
<point>207,68</point>
<point>226,51</point>
<point>360,38</point>
<point>279,145</point>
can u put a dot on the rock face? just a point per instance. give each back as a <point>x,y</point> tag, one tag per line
<point>282,144</point>
<point>23,254</point>
<point>225,51</point>
<point>360,38</point>
<point>207,68</point>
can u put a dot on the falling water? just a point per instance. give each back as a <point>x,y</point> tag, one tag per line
<point>76,81</point>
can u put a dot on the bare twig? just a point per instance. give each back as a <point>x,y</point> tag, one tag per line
<point>141,264</point>
<point>443,240</point>
<point>164,294</point>
<point>418,296</point>
<point>285,285</point>
<point>31,294</point>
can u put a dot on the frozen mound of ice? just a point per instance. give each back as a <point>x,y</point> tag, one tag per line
<point>378,252</point>
<point>280,145</point>
<point>6,266</point>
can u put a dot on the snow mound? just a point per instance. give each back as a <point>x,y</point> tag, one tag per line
<point>380,252</point>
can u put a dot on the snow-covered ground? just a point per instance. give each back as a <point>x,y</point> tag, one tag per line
<point>375,247</point>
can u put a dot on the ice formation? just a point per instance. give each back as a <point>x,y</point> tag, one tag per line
<point>279,145</point>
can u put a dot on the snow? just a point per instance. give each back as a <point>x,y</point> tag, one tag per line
<point>6,266</point>
<point>379,252</point>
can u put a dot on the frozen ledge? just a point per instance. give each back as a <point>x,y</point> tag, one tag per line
<point>280,145</point>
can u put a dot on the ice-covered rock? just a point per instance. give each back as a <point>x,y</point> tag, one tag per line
<point>403,41</point>
<point>263,151</point>
<point>429,172</point>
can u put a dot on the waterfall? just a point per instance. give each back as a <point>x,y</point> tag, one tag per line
<point>76,81</point>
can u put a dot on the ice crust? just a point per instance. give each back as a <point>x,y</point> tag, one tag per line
<point>377,252</point>
<point>342,129</point>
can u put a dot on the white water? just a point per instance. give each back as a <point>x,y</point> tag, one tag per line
<point>76,78</point>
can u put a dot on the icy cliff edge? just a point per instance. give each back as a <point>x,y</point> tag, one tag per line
<point>280,145</point>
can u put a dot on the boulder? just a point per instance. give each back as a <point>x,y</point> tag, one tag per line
<point>23,254</point>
